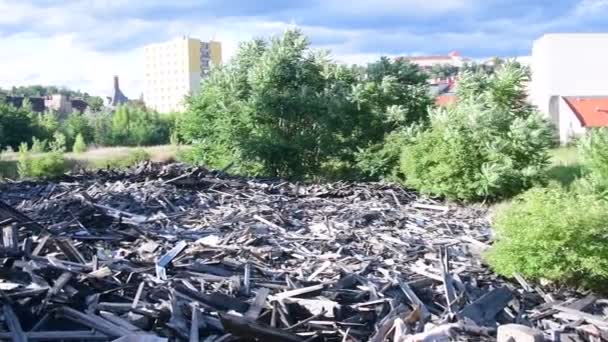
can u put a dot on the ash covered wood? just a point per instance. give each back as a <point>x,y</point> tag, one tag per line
<point>166,252</point>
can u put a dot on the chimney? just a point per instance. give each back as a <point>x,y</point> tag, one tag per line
<point>116,83</point>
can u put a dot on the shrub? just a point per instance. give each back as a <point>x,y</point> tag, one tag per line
<point>490,145</point>
<point>79,145</point>
<point>594,151</point>
<point>16,125</point>
<point>38,146</point>
<point>381,160</point>
<point>77,124</point>
<point>133,158</point>
<point>137,156</point>
<point>279,108</point>
<point>48,165</point>
<point>135,126</point>
<point>59,142</point>
<point>555,234</point>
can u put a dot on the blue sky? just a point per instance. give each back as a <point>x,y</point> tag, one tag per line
<point>82,43</point>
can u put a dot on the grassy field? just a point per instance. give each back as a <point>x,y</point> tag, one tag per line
<point>95,158</point>
<point>565,165</point>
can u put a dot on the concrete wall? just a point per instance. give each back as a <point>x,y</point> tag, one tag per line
<point>568,65</point>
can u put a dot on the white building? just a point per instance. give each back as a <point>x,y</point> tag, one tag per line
<point>454,58</point>
<point>573,65</point>
<point>175,69</point>
<point>577,114</point>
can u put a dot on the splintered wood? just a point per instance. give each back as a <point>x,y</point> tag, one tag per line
<point>170,253</point>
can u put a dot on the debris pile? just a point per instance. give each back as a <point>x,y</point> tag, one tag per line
<point>166,252</point>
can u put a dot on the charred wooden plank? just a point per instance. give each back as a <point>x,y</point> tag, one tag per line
<point>484,310</point>
<point>246,328</point>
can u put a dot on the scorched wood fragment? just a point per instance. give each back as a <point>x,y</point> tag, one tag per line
<point>176,253</point>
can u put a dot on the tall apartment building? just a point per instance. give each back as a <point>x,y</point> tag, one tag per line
<point>174,69</point>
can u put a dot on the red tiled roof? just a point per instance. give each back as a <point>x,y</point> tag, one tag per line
<point>445,100</point>
<point>417,58</point>
<point>590,111</point>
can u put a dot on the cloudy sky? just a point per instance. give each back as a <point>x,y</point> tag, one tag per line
<point>82,43</point>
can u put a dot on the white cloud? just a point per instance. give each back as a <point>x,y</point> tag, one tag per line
<point>389,7</point>
<point>57,60</point>
<point>82,44</point>
<point>591,7</point>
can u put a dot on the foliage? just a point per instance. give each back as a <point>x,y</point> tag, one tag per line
<point>59,142</point>
<point>281,109</point>
<point>38,146</point>
<point>133,158</point>
<point>16,125</point>
<point>48,124</point>
<point>443,71</point>
<point>102,129</point>
<point>555,234</point>
<point>77,124</point>
<point>594,152</point>
<point>47,165</point>
<point>80,145</point>
<point>491,144</point>
<point>381,160</point>
<point>133,126</point>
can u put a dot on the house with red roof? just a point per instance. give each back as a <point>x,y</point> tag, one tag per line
<point>454,58</point>
<point>577,114</point>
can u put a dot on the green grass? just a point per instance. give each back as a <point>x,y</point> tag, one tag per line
<point>97,158</point>
<point>565,168</point>
<point>565,165</point>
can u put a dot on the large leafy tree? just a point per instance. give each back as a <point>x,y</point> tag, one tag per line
<point>281,109</point>
<point>16,125</point>
<point>491,144</point>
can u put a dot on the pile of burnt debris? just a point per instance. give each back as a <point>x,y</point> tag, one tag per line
<point>171,253</point>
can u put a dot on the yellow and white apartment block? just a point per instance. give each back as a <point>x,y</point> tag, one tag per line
<point>174,70</point>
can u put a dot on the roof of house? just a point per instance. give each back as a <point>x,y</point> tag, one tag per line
<point>418,58</point>
<point>448,57</point>
<point>446,99</point>
<point>591,111</point>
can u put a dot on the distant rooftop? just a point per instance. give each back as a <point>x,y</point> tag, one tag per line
<point>591,111</point>
<point>449,56</point>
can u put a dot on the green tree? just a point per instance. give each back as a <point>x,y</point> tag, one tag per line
<point>77,123</point>
<point>79,144</point>
<point>17,125</point>
<point>59,143</point>
<point>281,109</point>
<point>95,102</point>
<point>491,144</point>
<point>443,71</point>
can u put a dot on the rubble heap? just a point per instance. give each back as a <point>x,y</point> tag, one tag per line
<point>166,252</point>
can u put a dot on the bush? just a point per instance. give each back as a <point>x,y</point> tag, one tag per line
<point>381,160</point>
<point>77,124</point>
<point>16,125</point>
<point>38,146</point>
<point>555,234</point>
<point>133,158</point>
<point>594,152</point>
<point>79,145</point>
<point>281,109</point>
<point>135,126</point>
<point>490,145</point>
<point>48,165</point>
<point>59,142</point>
